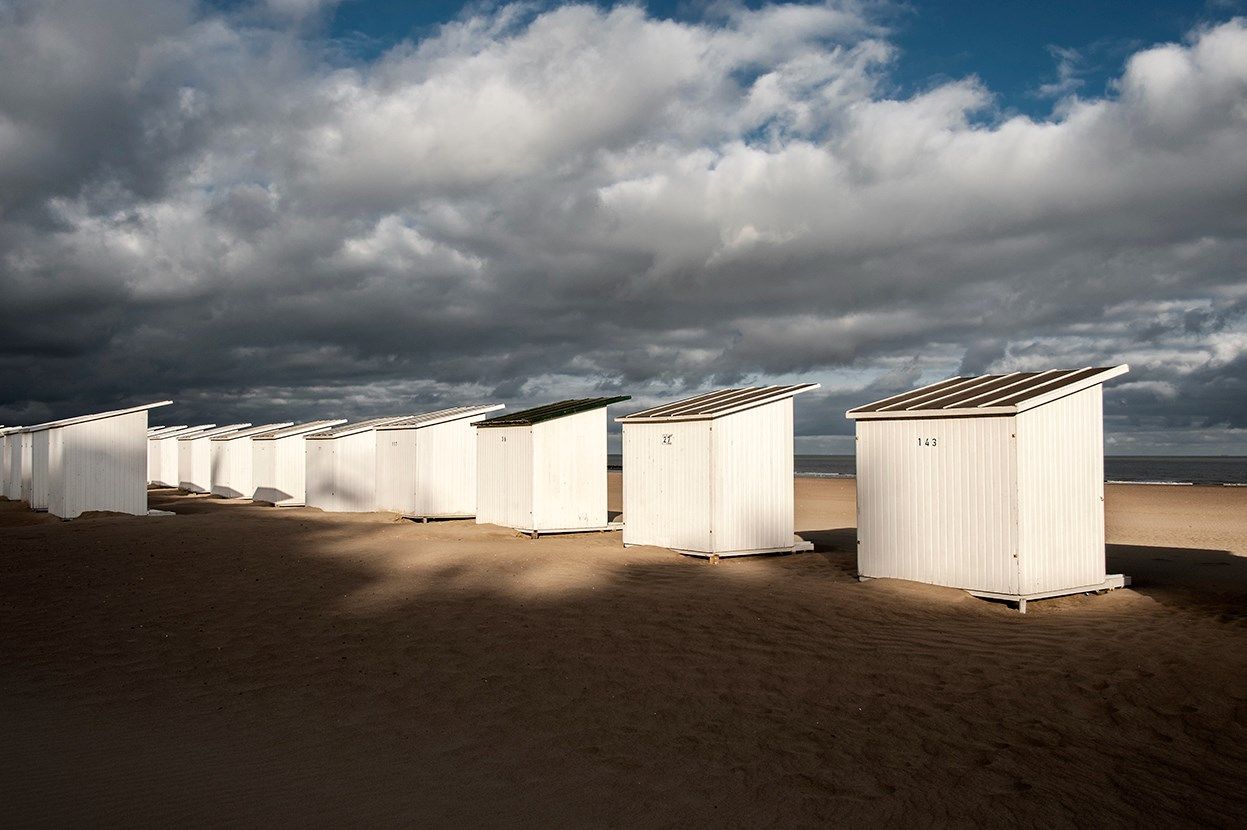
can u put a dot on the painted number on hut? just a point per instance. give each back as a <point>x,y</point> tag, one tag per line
<point>928,442</point>
<point>666,438</point>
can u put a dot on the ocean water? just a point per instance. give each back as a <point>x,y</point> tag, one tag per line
<point>1139,469</point>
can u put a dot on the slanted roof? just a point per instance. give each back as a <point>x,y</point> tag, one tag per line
<point>153,432</point>
<point>299,429</point>
<point>178,432</point>
<point>1006,394</point>
<point>95,416</point>
<point>442,416</point>
<point>717,404</point>
<point>213,433</point>
<point>550,411</point>
<point>355,428</point>
<point>247,433</point>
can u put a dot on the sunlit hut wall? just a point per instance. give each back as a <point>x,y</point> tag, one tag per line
<point>712,474</point>
<point>153,449</point>
<point>19,465</point>
<point>195,458</point>
<point>426,464</point>
<point>342,467</point>
<point>543,470</point>
<point>231,457</point>
<point>279,463</point>
<point>91,462</point>
<point>994,484</point>
<point>162,454</point>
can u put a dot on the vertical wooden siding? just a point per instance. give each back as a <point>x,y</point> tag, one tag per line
<point>569,472</point>
<point>1061,493</point>
<point>504,476</point>
<point>666,485</point>
<point>944,513</point>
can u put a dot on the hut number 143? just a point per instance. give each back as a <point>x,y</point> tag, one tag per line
<point>928,442</point>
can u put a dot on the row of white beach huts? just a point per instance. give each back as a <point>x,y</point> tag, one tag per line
<point>991,483</point>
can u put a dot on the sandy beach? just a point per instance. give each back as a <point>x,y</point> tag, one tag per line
<point>241,664</point>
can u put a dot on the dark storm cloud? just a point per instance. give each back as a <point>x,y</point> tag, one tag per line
<point>223,210</point>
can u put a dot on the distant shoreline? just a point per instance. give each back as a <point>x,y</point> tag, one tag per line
<point>1182,471</point>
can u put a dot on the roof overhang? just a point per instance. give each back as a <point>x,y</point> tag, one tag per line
<point>96,416</point>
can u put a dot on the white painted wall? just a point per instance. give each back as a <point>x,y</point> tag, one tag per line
<point>231,468</point>
<point>752,479</point>
<point>944,513</point>
<point>165,458</point>
<point>195,464</point>
<point>504,476</point>
<point>19,466</point>
<point>280,470</point>
<point>99,465</point>
<point>428,471</point>
<point>666,485</point>
<point>5,463</point>
<point>1060,450</point>
<point>13,483</point>
<point>39,470</point>
<point>711,486</point>
<point>342,473</point>
<point>569,472</point>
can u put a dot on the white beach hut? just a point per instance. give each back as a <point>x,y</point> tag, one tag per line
<point>153,451</point>
<point>993,484</point>
<point>426,464</point>
<point>162,454</point>
<point>91,462</point>
<point>195,458</point>
<point>712,475</point>
<point>279,463</point>
<point>342,467</point>
<point>543,470</point>
<point>231,458</point>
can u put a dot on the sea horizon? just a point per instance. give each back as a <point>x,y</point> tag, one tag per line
<point>1226,470</point>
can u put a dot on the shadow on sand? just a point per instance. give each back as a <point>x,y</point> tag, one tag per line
<point>238,664</point>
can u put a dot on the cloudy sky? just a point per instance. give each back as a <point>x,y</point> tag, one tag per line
<point>295,209</point>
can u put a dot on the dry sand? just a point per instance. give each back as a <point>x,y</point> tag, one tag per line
<point>238,664</point>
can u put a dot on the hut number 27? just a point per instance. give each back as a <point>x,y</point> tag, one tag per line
<point>928,442</point>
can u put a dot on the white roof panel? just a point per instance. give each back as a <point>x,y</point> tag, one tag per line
<point>441,416</point>
<point>95,416</point>
<point>247,433</point>
<point>299,429</point>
